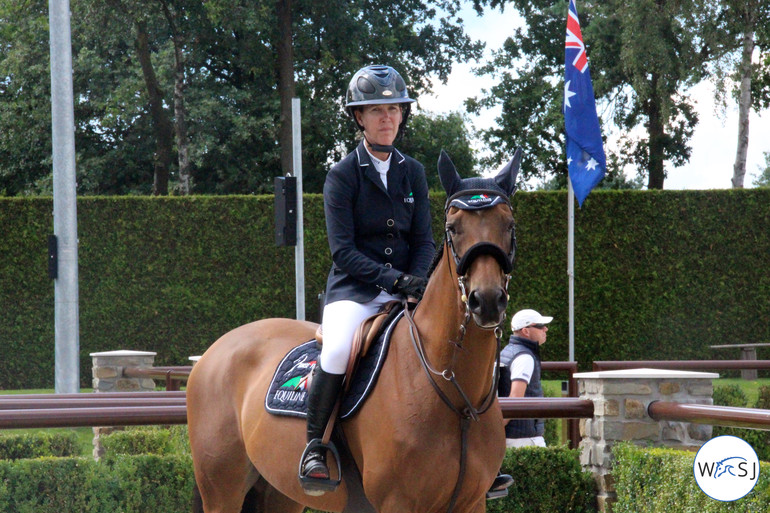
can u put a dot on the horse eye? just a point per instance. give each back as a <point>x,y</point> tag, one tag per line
<point>450,228</point>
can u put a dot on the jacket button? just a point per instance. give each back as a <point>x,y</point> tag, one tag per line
<point>388,251</point>
<point>389,236</point>
<point>389,265</point>
<point>391,222</point>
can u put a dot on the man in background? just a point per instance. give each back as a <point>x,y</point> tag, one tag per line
<point>520,360</point>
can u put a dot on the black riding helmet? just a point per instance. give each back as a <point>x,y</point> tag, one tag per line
<point>375,85</point>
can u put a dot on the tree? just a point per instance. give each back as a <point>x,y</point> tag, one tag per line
<point>427,134</point>
<point>184,95</point>
<point>643,56</point>
<point>25,92</point>
<point>763,180</point>
<point>740,23</point>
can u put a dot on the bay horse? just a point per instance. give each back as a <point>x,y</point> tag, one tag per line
<point>430,438</point>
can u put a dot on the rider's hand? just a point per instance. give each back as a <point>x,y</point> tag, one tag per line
<point>409,285</point>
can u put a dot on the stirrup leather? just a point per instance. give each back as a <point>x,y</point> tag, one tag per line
<point>315,486</point>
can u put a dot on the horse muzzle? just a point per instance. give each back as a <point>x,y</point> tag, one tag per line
<point>488,306</point>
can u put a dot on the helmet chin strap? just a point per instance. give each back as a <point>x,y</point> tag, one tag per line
<point>379,147</point>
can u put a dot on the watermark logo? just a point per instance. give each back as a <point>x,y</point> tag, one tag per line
<point>726,468</point>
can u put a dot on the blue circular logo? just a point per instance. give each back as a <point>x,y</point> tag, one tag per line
<point>726,468</point>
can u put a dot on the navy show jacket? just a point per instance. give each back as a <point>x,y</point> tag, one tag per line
<point>375,234</point>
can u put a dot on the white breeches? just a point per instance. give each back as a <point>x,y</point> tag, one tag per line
<point>340,321</point>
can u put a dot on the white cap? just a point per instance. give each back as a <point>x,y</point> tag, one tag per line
<point>524,318</point>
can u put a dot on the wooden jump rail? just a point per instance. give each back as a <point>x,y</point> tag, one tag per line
<point>546,408</point>
<point>136,409</point>
<point>172,375</point>
<point>683,364</point>
<point>751,418</point>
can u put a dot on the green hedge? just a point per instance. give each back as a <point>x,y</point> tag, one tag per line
<point>130,484</point>
<point>662,481</point>
<point>147,440</point>
<point>546,480</point>
<point>658,274</point>
<point>37,444</point>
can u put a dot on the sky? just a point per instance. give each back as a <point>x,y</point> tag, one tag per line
<point>713,144</point>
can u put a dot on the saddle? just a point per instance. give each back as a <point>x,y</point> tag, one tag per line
<point>366,333</point>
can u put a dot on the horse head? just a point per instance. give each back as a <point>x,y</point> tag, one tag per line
<point>480,233</point>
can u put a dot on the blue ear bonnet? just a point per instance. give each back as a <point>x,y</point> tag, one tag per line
<point>475,192</point>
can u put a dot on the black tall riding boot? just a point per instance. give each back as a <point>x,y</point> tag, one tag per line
<point>324,391</point>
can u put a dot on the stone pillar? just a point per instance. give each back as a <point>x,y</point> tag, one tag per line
<point>107,371</point>
<point>620,402</point>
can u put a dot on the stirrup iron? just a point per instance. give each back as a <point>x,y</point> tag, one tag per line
<point>314,486</point>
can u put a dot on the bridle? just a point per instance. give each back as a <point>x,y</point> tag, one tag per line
<point>468,411</point>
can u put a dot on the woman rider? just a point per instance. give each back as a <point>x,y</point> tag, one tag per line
<point>378,226</point>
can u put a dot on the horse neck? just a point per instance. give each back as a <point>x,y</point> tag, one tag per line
<point>438,319</point>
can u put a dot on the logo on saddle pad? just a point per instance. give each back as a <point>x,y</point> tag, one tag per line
<point>288,390</point>
<point>295,388</point>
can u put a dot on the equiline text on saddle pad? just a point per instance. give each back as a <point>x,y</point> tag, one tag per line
<point>287,393</point>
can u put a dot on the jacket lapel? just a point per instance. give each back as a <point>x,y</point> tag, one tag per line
<point>367,166</point>
<point>396,174</point>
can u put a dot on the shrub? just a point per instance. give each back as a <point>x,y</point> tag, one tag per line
<point>131,484</point>
<point>37,444</point>
<point>662,481</point>
<point>137,442</point>
<point>147,440</point>
<point>546,480</point>
<point>732,395</point>
<point>212,265</point>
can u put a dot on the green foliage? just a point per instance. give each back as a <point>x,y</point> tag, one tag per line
<point>732,395</point>
<point>147,440</point>
<point>428,134</point>
<point>36,445</point>
<point>643,57</point>
<point>661,481</point>
<point>229,87</point>
<point>659,274</point>
<point>136,484</point>
<point>546,480</point>
<point>763,180</point>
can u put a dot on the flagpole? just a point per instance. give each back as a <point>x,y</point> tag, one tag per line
<point>571,265</point>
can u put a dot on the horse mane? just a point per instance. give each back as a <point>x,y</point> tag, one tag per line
<point>436,257</point>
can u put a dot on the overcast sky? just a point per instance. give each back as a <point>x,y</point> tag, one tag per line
<point>713,144</point>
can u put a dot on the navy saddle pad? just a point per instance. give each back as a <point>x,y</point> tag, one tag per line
<point>287,393</point>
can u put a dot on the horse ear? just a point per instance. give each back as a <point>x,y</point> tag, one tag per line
<point>447,172</point>
<point>506,178</point>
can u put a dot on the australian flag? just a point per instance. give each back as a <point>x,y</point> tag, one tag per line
<point>585,153</point>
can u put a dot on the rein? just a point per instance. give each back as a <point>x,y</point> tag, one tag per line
<point>468,411</point>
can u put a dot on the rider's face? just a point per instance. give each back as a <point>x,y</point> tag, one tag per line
<point>380,122</point>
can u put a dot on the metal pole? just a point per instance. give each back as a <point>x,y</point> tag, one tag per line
<point>571,266</point>
<point>299,249</point>
<point>67,336</point>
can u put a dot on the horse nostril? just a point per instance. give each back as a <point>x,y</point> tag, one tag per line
<point>502,300</point>
<point>473,302</point>
<point>478,302</point>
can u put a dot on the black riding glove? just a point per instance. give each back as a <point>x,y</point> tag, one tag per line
<point>409,285</point>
